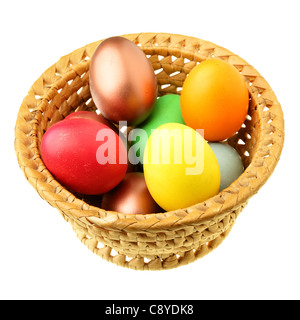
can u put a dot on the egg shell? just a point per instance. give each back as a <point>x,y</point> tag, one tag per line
<point>215,98</point>
<point>131,196</point>
<point>122,81</point>
<point>166,110</point>
<point>92,116</point>
<point>230,163</point>
<point>99,117</point>
<point>189,175</point>
<point>71,152</point>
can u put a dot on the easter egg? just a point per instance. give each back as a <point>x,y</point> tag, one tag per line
<point>84,155</point>
<point>131,196</point>
<point>99,117</point>
<point>122,81</point>
<point>215,98</point>
<point>92,116</point>
<point>180,167</point>
<point>166,110</point>
<point>230,163</point>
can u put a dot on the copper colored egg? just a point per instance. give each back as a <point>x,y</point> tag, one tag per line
<point>131,196</point>
<point>122,81</point>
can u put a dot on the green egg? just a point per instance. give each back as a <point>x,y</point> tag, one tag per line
<point>230,163</point>
<point>166,110</point>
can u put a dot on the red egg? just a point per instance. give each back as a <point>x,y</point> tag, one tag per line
<point>100,118</point>
<point>131,196</point>
<point>84,155</point>
<point>93,116</point>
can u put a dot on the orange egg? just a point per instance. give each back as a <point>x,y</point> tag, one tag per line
<point>215,98</point>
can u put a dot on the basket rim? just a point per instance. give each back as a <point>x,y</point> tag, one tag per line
<point>264,161</point>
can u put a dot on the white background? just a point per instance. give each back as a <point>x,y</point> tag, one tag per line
<point>40,255</point>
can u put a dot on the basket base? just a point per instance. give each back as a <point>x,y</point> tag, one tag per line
<point>139,263</point>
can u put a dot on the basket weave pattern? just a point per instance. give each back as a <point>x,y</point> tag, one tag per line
<point>157,241</point>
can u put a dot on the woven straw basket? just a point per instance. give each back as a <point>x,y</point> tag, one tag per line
<point>155,241</point>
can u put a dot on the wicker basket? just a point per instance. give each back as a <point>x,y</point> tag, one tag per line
<point>156,241</point>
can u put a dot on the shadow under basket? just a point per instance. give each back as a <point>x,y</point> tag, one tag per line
<point>163,240</point>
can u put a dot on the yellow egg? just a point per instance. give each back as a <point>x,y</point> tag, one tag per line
<point>180,167</point>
